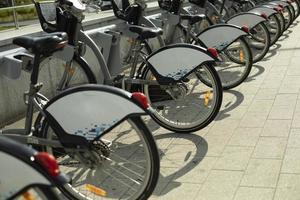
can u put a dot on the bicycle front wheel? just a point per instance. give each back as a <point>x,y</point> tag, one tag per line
<point>188,105</point>
<point>129,167</point>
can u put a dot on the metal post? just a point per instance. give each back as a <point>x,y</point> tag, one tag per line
<point>15,14</point>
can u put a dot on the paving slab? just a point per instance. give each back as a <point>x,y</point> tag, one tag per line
<point>252,149</point>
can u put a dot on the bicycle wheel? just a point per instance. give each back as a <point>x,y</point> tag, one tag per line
<point>56,76</point>
<point>129,167</point>
<point>188,105</point>
<point>274,28</point>
<point>282,22</point>
<point>287,14</point>
<point>259,41</point>
<point>236,64</point>
<point>293,11</point>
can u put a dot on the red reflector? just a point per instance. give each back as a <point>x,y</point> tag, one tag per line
<point>141,98</point>
<point>245,28</point>
<point>264,15</point>
<point>48,162</point>
<point>61,44</point>
<point>278,9</point>
<point>214,52</point>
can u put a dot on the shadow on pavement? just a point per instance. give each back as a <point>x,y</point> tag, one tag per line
<point>259,70</point>
<point>272,52</point>
<point>178,162</point>
<point>239,97</point>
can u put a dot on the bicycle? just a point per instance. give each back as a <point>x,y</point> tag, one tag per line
<point>171,86</point>
<point>93,129</point>
<point>259,37</point>
<point>229,40</point>
<point>28,174</point>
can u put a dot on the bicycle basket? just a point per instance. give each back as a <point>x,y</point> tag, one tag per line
<point>126,11</point>
<point>47,15</point>
<point>170,5</point>
<point>200,3</point>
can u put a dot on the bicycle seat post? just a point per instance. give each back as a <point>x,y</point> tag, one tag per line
<point>33,89</point>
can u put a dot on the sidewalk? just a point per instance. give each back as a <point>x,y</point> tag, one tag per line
<point>252,150</point>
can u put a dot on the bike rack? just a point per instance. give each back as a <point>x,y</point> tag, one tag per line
<point>11,62</point>
<point>15,60</point>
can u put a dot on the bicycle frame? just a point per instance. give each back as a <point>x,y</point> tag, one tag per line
<point>217,36</point>
<point>34,100</point>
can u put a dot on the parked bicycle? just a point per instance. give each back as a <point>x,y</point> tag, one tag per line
<point>173,85</point>
<point>95,132</point>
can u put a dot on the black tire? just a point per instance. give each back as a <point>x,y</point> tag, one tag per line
<point>289,17</point>
<point>243,68</point>
<point>81,74</point>
<point>298,8</point>
<point>156,95</point>
<point>282,22</point>
<point>259,46</point>
<point>293,11</point>
<point>71,193</point>
<point>274,28</point>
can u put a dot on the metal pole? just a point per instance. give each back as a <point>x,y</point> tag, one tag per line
<point>15,14</point>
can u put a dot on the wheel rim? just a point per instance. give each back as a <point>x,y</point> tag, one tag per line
<point>177,113</point>
<point>118,184</point>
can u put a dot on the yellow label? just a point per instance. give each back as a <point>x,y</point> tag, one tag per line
<point>207,98</point>
<point>242,58</point>
<point>70,69</point>
<point>96,190</point>
<point>131,41</point>
<point>27,196</point>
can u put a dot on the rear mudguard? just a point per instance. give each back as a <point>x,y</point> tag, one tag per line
<point>246,19</point>
<point>17,175</point>
<point>87,112</point>
<point>283,3</point>
<point>174,62</point>
<point>262,10</point>
<point>220,36</point>
<point>19,171</point>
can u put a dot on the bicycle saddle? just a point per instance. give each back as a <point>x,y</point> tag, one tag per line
<point>145,32</point>
<point>43,44</point>
<point>193,18</point>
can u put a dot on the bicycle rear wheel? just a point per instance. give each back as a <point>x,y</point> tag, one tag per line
<point>129,167</point>
<point>236,64</point>
<point>56,75</point>
<point>259,41</point>
<point>188,105</point>
<point>274,28</point>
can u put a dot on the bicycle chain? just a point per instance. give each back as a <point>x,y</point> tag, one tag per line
<point>98,146</point>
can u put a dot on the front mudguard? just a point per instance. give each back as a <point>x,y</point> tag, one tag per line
<point>220,36</point>
<point>174,62</point>
<point>246,19</point>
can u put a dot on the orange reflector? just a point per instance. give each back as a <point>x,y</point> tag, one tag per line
<point>28,196</point>
<point>70,69</point>
<point>207,98</point>
<point>96,190</point>
<point>242,57</point>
